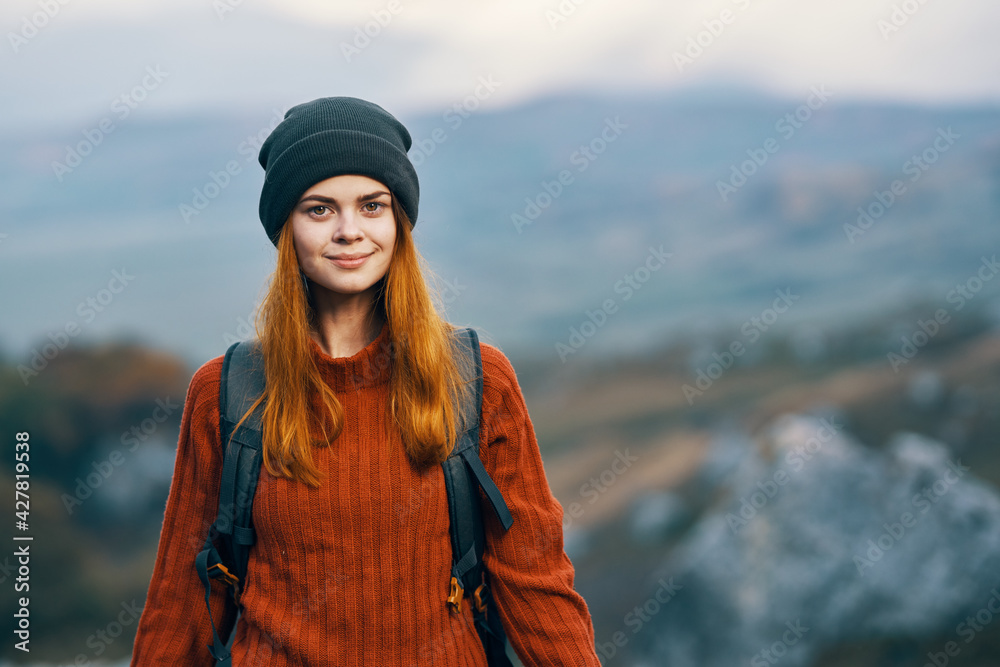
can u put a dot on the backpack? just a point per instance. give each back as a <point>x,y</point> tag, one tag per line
<point>227,547</point>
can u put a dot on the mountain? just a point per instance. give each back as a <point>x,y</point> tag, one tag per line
<point>745,195</point>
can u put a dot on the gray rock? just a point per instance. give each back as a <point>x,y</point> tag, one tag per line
<point>821,541</point>
<point>655,515</point>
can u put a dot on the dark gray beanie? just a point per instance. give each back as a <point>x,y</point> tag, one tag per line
<point>328,137</point>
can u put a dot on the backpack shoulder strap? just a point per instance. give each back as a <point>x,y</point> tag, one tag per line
<point>227,547</point>
<point>464,475</point>
<point>467,447</point>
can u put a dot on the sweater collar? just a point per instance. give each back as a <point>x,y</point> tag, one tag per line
<point>368,367</point>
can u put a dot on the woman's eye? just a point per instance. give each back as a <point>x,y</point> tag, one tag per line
<point>374,206</point>
<point>318,210</point>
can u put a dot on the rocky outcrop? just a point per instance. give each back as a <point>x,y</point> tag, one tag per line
<point>819,541</point>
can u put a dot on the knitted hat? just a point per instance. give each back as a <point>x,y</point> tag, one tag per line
<point>328,137</point>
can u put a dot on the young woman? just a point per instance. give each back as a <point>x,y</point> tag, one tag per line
<point>353,556</point>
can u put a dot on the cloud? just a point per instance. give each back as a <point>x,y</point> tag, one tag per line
<point>423,56</point>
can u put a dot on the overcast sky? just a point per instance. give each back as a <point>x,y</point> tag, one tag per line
<point>220,53</point>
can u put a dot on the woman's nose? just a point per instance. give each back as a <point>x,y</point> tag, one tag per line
<point>347,227</point>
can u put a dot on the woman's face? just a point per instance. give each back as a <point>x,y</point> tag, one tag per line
<point>338,220</point>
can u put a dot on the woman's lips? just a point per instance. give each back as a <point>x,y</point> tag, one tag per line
<point>350,263</point>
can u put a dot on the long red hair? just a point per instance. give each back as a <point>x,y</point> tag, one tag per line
<point>425,381</point>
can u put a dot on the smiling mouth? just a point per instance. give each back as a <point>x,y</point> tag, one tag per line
<point>349,261</point>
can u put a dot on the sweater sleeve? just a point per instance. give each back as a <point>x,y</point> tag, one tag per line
<point>546,620</point>
<point>174,628</point>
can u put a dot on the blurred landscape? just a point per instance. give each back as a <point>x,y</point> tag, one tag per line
<point>704,380</point>
<point>655,185</point>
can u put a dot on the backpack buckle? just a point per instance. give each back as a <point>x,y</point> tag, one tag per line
<point>455,597</point>
<point>221,570</point>
<point>479,597</point>
<point>228,578</point>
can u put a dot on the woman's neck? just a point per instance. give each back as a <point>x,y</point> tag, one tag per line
<point>343,327</point>
<point>345,337</point>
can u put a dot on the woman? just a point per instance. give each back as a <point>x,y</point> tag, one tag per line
<point>353,556</point>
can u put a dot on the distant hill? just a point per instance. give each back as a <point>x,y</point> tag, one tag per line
<point>525,256</point>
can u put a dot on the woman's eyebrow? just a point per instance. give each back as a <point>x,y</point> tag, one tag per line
<point>331,200</point>
<point>374,195</point>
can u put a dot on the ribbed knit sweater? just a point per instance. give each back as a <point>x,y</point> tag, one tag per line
<point>356,572</point>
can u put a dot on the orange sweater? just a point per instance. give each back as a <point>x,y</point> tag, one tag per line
<point>356,572</point>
